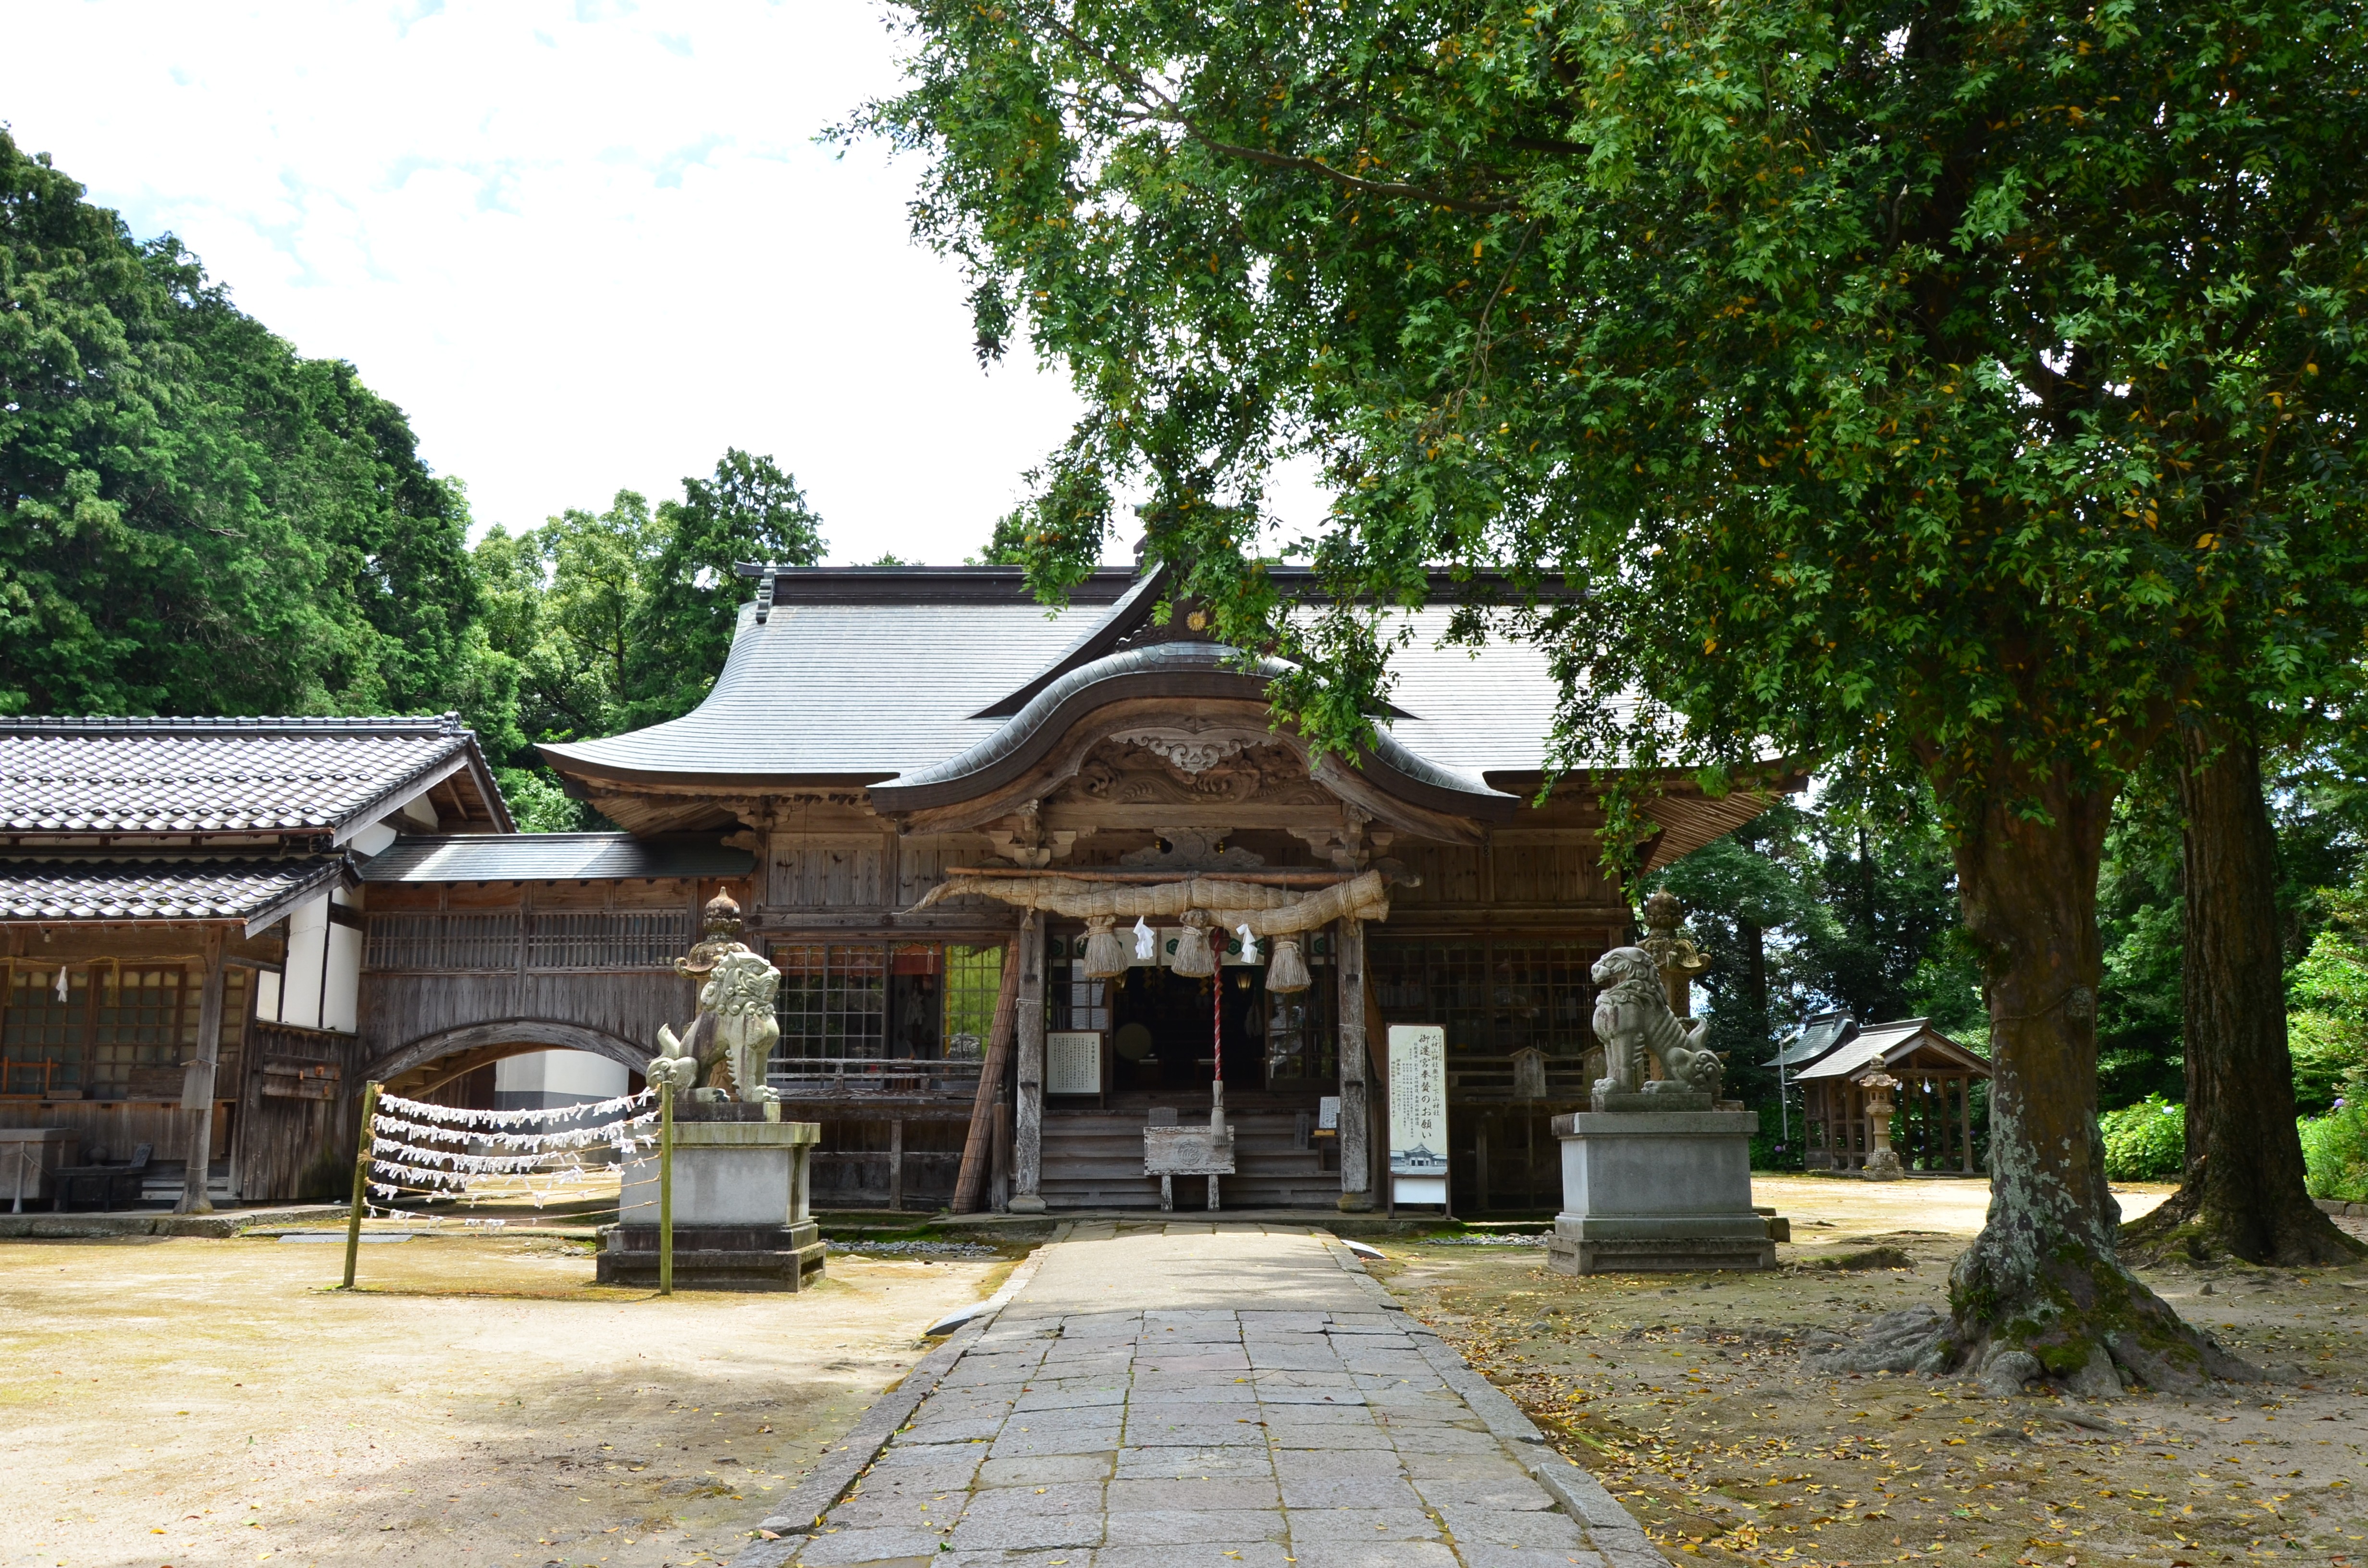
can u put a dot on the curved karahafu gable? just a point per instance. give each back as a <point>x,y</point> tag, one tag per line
<point>1216,689</point>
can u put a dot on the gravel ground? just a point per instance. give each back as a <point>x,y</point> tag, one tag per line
<point>204,1403</point>
<point>1687,1396</point>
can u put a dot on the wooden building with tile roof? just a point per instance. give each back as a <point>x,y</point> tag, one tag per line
<point>183,946</point>
<point>903,776</point>
<point>881,738</point>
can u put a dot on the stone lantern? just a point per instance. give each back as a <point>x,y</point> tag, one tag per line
<point>1882,1165</point>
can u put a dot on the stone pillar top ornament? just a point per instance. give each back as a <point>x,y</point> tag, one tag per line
<point>1679,960</point>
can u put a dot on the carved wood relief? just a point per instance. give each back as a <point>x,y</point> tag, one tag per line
<point>1123,771</point>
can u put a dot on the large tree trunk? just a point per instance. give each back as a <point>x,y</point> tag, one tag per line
<point>2242,1188</point>
<point>2042,1281</point>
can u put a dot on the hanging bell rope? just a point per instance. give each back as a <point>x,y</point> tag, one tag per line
<point>1268,911</point>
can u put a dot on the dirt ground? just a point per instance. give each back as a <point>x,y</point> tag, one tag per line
<point>203,1403</point>
<point>1687,1397</point>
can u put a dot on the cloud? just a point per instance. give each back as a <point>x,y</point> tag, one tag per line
<point>584,246</point>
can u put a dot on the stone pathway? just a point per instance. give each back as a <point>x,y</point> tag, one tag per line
<point>1193,1395</point>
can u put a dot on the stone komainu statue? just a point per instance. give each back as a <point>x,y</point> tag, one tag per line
<point>726,1052</point>
<point>1632,1011</point>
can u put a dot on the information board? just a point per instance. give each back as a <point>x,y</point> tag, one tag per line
<point>1418,1113</point>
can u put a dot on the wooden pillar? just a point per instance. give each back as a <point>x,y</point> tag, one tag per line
<point>1356,1119</point>
<point>897,1164</point>
<point>1027,1151</point>
<point>198,1083</point>
<point>1480,1164</point>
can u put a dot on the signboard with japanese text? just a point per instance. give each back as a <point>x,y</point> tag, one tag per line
<point>1418,1113</point>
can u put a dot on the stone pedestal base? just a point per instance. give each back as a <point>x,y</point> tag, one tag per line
<point>740,1217</point>
<point>1656,1192</point>
<point>716,1257</point>
<point>1882,1165</point>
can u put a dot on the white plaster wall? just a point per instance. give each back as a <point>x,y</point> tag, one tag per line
<point>299,1002</point>
<point>556,1077</point>
<point>341,1009</point>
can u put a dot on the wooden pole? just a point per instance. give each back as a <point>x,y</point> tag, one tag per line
<point>1027,1042</point>
<point>1356,1122</point>
<point>362,1182</point>
<point>978,1143</point>
<point>665,1188</point>
<point>198,1084</point>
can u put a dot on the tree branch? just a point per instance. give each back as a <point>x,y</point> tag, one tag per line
<point>1173,113</point>
<point>1317,167</point>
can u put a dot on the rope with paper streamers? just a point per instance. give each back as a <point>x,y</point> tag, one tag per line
<point>437,1152</point>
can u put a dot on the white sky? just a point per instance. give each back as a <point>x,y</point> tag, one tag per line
<point>584,246</point>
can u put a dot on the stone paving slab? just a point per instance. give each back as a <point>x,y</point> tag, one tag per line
<point>1190,1395</point>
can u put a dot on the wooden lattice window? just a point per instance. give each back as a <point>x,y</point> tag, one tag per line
<point>144,1027</point>
<point>42,1032</point>
<point>832,1001</point>
<point>1538,994</point>
<point>973,980</point>
<point>600,939</point>
<point>1494,998</point>
<point>449,942</point>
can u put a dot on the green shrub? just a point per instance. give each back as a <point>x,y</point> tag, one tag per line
<point>2145,1142</point>
<point>2335,1152</point>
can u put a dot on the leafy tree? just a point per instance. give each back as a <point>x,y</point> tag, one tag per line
<point>194,518</point>
<point>1968,390</point>
<point>748,510</point>
<point>1006,545</point>
<point>1846,900</point>
<point>621,618</point>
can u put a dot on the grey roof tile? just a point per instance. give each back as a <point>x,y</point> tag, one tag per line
<point>102,890</point>
<point>181,776</point>
<point>549,858</point>
<point>838,688</point>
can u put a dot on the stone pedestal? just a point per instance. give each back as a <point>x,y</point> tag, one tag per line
<point>740,1221</point>
<point>1658,1191</point>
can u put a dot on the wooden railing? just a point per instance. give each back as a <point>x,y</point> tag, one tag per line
<point>853,1076</point>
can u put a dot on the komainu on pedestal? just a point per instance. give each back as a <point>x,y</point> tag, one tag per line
<point>1658,1176</point>
<point>740,1172</point>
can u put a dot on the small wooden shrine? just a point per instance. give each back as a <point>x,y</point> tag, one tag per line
<point>1831,1059</point>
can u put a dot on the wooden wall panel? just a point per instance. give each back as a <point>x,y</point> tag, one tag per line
<point>1450,875</point>
<point>291,1150</point>
<point>399,1008</point>
<point>1554,873</point>
<point>923,859</point>
<point>835,873</point>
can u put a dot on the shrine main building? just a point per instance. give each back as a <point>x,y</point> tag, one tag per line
<point>902,775</point>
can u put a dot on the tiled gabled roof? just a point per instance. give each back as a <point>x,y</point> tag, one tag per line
<point>199,776</point>
<point>256,892</point>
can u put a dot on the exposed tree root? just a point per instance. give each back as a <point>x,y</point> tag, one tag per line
<point>2071,1336</point>
<point>2186,1225</point>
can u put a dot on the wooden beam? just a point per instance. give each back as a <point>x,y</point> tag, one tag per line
<point>1288,878</point>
